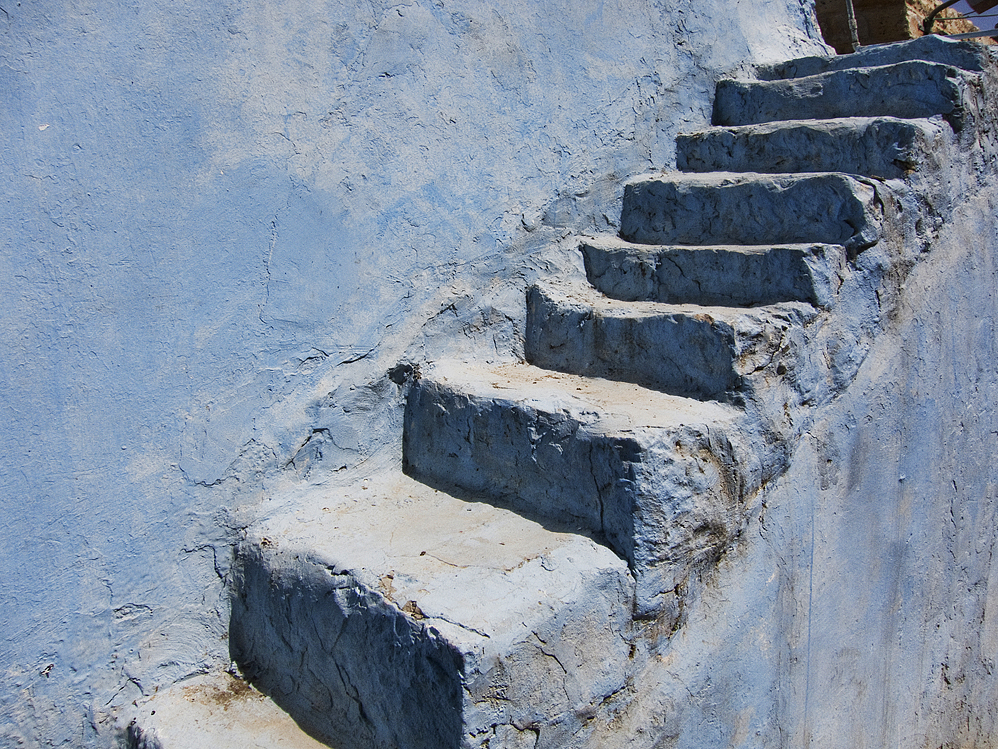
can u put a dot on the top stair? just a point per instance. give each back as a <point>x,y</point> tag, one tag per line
<point>905,89</point>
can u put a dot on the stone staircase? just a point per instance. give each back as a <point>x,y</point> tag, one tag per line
<point>513,586</point>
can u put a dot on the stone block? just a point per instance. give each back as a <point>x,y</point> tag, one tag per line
<point>393,615</point>
<point>969,56</point>
<point>689,350</point>
<point>885,147</point>
<point>715,275</point>
<point>908,90</point>
<point>751,209</point>
<point>660,478</point>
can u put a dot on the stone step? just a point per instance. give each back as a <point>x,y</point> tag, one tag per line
<point>689,350</point>
<point>752,209</point>
<point>213,710</point>
<point>885,147</point>
<point>970,56</point>
<point>390,614</point>
<point>908,90</point>
<point>743,276</point>
<point>659,477</point>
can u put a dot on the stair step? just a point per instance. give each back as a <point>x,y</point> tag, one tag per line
<point>214,710</point>
<point>744,276</point>
<point>970,56</point>
<point>393,614</point>
<point>751,209</point>
<point>909,90</point>
<point>689,350</point>
<point>885,147</point>
<point>660,477</point>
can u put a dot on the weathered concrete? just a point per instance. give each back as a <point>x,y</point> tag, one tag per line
<point>390,614</point>
<point>692,350</point>
<point>970,57</point>
<point>663,479</point>
<point>731,208</point>
<point>733,275</point>
<point>215,711</point>
<point>884,147</point>
<point>906,89</point>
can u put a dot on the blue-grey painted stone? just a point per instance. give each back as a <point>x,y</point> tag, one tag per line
<point>690,350</point>
<point>389,614</point>
<point>731,208</point>
<point>662,479</point>
<point>906,89</point>
<point>742,276</point>
<point>876,147</point>
<point>966,55</point>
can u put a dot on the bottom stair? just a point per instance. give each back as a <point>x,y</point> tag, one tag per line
<point>217,711</point>
<point>395,615</point>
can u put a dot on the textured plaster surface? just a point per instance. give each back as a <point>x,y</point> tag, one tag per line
<point>224,223</point>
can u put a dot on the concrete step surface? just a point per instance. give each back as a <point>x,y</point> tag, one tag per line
<point>718,275</point>
<point>390,614</point>
<point>912,89</point>
<point>690,350</point>
<point>966,55</point>
<point>752,209</point>
<point>214,710</point>
<point>660,478</point>
<point>885,147</point>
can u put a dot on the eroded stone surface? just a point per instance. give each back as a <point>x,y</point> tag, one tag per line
<point>217,711</point>
<point>907,89</point>
<point>744,276</point>
<point>663,479</point>
<point>877,147</point>
<point>966,56</point>
<point>391,614</point>
<point>751,209</point>
<point>691,350</point>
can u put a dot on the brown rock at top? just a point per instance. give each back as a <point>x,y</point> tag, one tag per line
<point>880,21</point>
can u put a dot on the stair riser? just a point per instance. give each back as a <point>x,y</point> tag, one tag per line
<point>721,276</point>
<point>354,670</point>
<point>358,673</point>
<point>665,499</point>
<point>827,208</point>
<point>908,90</point>
<point>682,354</point>
<point>887,149</point>
<point>541,462</point>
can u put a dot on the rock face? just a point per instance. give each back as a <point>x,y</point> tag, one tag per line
<point>532,579</point>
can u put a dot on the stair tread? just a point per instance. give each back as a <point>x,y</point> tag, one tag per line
<point>845,123</point>
<point>609,242</point>
<point>969,56</point>
<point>216,710</point>
<point>731,314</point>
<point>603,405</point>
<point>724,178</point>
<point>481,574</point>
<point>394,614</point>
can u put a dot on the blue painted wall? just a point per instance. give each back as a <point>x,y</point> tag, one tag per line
<point>217,215</point>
